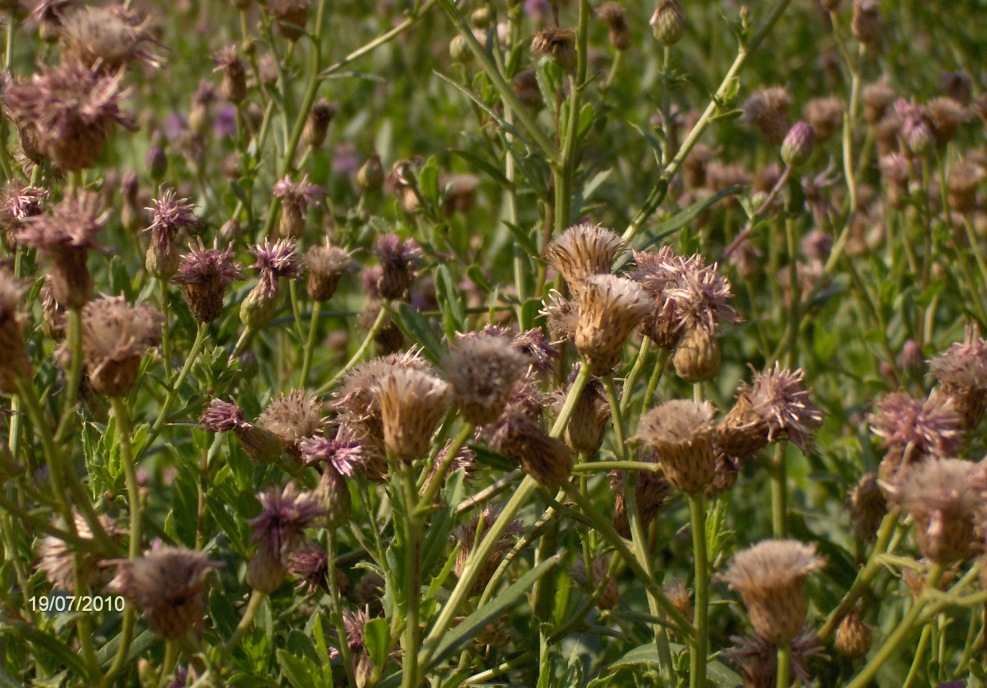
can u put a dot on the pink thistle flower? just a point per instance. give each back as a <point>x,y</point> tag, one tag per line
<point>284,516</point>
<point>343,455</point>
<point>397,258</point>
<point>169,216</point>
<point>222,416</point>
<point>777,396</point>
<point>275,261</point>
<point>927,427</point>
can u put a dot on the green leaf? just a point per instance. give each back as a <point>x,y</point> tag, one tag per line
<point>453,640</point>
<point>453,310</point>
<point>648,655</point>
<point>501,122</point>
<point>587,114</point>
<point>428,182</point>
<point>377,637</point>
<point>414,326</point>
<point>477,277</point>
<point>296,670</point>
<point>481,164</point>
<point>41,641</point>
<point>524,239</point>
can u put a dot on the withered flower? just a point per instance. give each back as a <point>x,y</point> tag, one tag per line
<point>234,84</point>
<point>558,44</point>
<point>767,111</point>
<point>170,215</point>
<point>291,16</point>
<point>397,261</point>
<point>274,261</point>
<point>339,458</point>
<point>278,529</point>
<point>292,417</point>
<point>681,434</point>
<point>106,39</point>
<point>326,266</point>
<point>14,360</point>
<point>317,124</point>
<point>57,558</point>
<point>609,308</point>
<point>259,444</point>
<point>65,238</point>
<point>67,113</point>
<point>582,251</point>
<point>167,583</point>
<point>962,373</point>
<point>412,402</point>
<point>204,275</point>
<point>114,339</point>
<point>770,577</point>
<point>482,371</point>
<point>296,197</point>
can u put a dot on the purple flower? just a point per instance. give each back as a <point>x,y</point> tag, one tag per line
<point>224,123</point>
<point>341,455</point>
<point>283,518</point>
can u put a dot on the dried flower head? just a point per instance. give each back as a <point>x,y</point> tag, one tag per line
<point>105,39</point>
<point>964,177</point>
<point>296,197</point>
<point>588,424</point>
<point>357,390</point>
<point>877,98</point>
<point>525,84</point>
<point>686,294</point>
<point>167,583</point>
<point>941,499</point>
<point>582,251</point>
<point>561,317</point>
<point>466,537</point>
<point>205,274</point>
<point>340,458</point>
<point>57,558</point>
<point>767,111</point>
<point>916,131</point>
<point>868,507</point>
<point>913,429</point>
<point>520,437</point>
<point>67,113</point>
<point>866,22</point>
<point>596,579</point>
<point>615,16</point>
<point>961,372</point>
<point>310,565</point>
<point>681,433</point>
<point>169,216</point>
<point>957,85</point>
<point>292,417</point>
<point>280,526</point>
<point>326,266</point>
<point>412,402</point>
<point>259,444</point>
<point>770,577</point>
<point>19,201</point>
<point>946,115</point>
<point>559,44</point>
<point>65,237</point>
<point>397,261</point>
<point>609,309</point>
<point>775,407</point>
<point>114,339</point>
<point>482,371</point>
<point>234,84</point>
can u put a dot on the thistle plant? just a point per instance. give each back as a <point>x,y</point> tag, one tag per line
<point>577,345</point>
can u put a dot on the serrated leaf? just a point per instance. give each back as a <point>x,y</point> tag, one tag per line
<point>138,646</point>
<point>414,326</point>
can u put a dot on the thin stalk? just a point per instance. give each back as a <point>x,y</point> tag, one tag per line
<point>605,466</point>
<point>122,417</point>
<point>700,644</point>
<point>367,341</point>
<point>649,393</point>
<point>864,576</point>
<point>73,336</point>
<point>779,491</point>
<point>758,214</point>
<point>253,606</point>
<point>165,327</point>
<point>200,340</point>
<point>887,650</point>
<point>784,664</point>
<point>411,638</point>
<point>744,54</point>
<point>923,644</point>
<point>336,613</point>
<point>628,391</point>
<point>310,342</point>
<point>168,664</point>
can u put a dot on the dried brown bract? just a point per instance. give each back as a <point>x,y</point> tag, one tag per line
<point>115,337</point>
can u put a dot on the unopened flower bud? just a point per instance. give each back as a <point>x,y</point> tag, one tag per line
<point>853,637</point>
<point>616,18</point>
<point>697,355</point>
<point>668,22</point>
<point>370,177</point>
<point>559,44</point>
<point>265,571</point>
<point>797,147</point>
<point>481,18</point>
<point>525,85</point>
<point>866,24</point>
<point>156,162</point>
<point>317,125</point>
<point>459,49</point>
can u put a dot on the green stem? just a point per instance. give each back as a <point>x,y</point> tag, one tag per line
<point>253,606</point>
<point>310,343</point>
<point>74,377</point>
<point>923,643</point>
<point>200,340</point>
<point>435,483</point>
<point>336,608</point>
<point>168,663</point>
<point>864,577</point>
<point>779,491</point>
<point>358,356</point>
<point>411,638</point>
<point>700,645</point>
<point>165,328</point>
<point>901,633</point>
<point>578,385</point>
<point>784,664</point>
<point>628,391</point>
<point>604,466</point>
<point>123,432</point>
<point>656,373</point>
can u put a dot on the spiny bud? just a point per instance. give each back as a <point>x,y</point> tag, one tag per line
<point>326,267</point>
<point>411,404</point>
<point>370,177</point>
<point>482,371</point>
<point>559,44</point>
<point>668,22</point>
<point>234,84</point>
<point>853,637</point>
<point>291,16</point>
<point>868,507</point>
<point>797,147</point>
<point>697,355</point>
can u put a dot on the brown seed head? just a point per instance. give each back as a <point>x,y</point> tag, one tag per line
<point>877,98</point>
<point>520,437</point>
<point>57,558</point>
<point>681,433</point>
<point>962,373</point>
<point>559,44</point>
<point>616,18</point>
<point>770,577</point>
<point>291,16</point>
<point>866,23</point>
<point>780,401</point>
<point>167,583</point>
<point>326,266</point>
<point>853,637</point>
<point>234,85</point>
<point>13,349</point>
<point>825,115</point>
<point>292,417</point>
<point>588,424</point>
<point>482,371</point>
<point>398,258</point>
<point>946,509</point>
<point>114,339</point>
<point>106,39</point>
<point>412,402</point>
<point>296,197</point>
<point>582,251</point>
<point>868,507</point>
<point>317,125</point>
<point>964,177</point>
<point>946,115</point>
<point>466,537</point>
<point>609,309</point>
<point>561,317</point>
<point>204,274</point>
